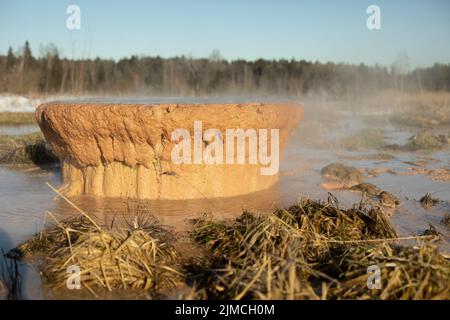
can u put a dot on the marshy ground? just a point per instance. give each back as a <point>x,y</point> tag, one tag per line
<point>388,174</point>
<point>312,250</point>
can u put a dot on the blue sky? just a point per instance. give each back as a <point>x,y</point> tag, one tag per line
<point>327,30</point>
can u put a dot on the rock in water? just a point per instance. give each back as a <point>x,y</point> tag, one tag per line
<point>125,150</point>
<point>367,188</point>
<point>388,199</point>
<point>346,176</point>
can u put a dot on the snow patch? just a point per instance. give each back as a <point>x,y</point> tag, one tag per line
<point>14,103</point>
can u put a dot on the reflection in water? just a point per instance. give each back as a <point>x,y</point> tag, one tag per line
<point>11,277</point>
<point>173,213</point>
<point>23,201</point>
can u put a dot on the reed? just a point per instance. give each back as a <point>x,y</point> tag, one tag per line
<point>316,250</point>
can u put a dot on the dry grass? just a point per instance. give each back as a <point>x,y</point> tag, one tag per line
<point>126,259</point>
<point>406,273</point>
<point>52,238</point>
<point>315,250</point>
<point>424,110</point>
<point>133,257</point>
<point>428,200</point>
<point>312,250</point>
<point>26,149</point>
<point>17,118</point>
<point>117,258</point>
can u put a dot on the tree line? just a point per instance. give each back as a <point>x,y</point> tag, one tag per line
<point>23,73</point>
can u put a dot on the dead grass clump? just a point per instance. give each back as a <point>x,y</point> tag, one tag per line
<point>117,258</point>
<point>25,150</point>
<point>423,141</point>
<point>52,238</point>
<point>17,118</point>
<point>428,200</point>
<point>313,222</point>
<point>126,259</point>
<point>314,250</point>
<point>406,273</point>
<point>38,152</point>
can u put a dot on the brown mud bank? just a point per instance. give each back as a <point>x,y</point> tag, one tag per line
<point>124,150</point>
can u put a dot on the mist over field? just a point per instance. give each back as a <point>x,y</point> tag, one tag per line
<point>25,72</point>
